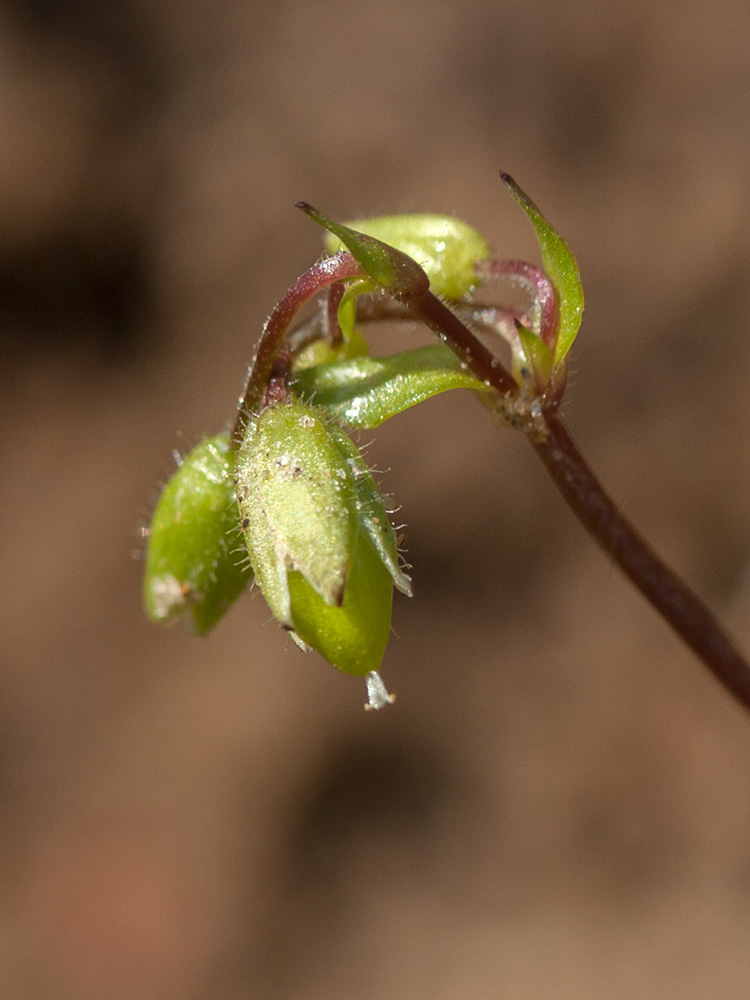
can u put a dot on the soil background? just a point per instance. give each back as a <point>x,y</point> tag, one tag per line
<point>559,803</point>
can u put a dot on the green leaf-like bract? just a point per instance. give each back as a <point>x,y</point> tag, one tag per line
<point>537,356</point>
<point>194,562</point>
<point>393,270</point>
<point>320,543</point>
<point>561,267</point>
<point>364,392</point>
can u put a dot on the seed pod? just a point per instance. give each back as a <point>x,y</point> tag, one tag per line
<point>195,563</point>
<point>320,543</point>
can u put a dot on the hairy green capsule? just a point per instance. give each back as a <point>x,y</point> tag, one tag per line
<point>320,543</point>
<point>446,248</point>
<point>193,566</point>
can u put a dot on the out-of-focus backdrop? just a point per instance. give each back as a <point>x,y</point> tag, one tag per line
<point>559,803</point>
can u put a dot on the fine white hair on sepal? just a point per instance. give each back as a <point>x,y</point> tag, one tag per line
<point>377,693</point>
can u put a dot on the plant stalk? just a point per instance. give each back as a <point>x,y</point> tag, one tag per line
<point>478,358</point>
<point>589,501</point>
<point>671,597</point>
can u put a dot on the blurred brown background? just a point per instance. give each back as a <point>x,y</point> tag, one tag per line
<point>559,803</point>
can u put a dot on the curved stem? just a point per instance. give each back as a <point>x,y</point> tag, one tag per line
<point>585,495</point>
<point>536,283</point>
<point>672,598</point>
<point>321,275</point>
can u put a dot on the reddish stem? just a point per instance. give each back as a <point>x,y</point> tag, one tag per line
<point>478,358</point>
<point>322,274</point>
<point>534,281</point>
<point>334,336</point>
<point>672,598</point>
<point>585,495</point>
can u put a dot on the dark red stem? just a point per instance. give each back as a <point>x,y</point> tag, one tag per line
<point>334,336</point>
<point>585,495</point>
<point>480,360</point>
<point>684,611</point>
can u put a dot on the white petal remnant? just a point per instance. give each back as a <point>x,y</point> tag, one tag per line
<point>166,595</point>
<point>377,694</point>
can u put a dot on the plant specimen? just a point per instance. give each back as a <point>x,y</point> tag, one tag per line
<point>285,498</point>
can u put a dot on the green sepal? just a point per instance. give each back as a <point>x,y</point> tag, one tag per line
<point>388,267</point>
<point>372,517</point>
<point>537,358</point>
<point>195,563</point>
<point>347,311</point>
<point>561,268</point>
<point>364,392</point>
<point>446,248</point>
<point>317,532</point>
<point>297,505</point>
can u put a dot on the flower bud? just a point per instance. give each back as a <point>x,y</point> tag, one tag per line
<point>320,543</point>
<point>193,564</point>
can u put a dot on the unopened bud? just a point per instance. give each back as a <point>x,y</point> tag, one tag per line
<point>193,565</point>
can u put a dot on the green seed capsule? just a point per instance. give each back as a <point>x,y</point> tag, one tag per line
<point>320,543</point>
<point>193,565</point>
<point>352,637</point>
<point>446,248</point>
